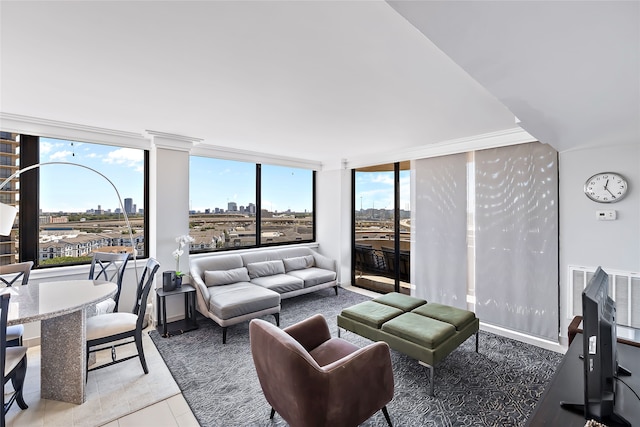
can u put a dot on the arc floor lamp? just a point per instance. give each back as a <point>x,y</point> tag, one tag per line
<point>8,213</point>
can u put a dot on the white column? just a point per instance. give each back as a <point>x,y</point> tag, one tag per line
<point>169,205</point>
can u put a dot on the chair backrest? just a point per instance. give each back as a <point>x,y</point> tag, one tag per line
<point>292,381</point>
<point>20,269</point>
<point>4,312</point>
<point>109,266</point>
<point>144,287</point>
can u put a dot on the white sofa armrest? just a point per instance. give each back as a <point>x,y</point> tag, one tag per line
<point>324,262</point>
<point>202,292</point>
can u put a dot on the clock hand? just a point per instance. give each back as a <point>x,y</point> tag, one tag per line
<point>606,184</point>
<point>612,195</point>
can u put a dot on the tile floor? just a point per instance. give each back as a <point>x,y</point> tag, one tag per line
<point>169,412</point>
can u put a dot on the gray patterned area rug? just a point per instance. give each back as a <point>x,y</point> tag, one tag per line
<point>499,386</point>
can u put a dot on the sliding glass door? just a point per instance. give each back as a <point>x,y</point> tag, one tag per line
<point>381,228</point>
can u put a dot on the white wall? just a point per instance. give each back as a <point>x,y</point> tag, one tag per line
<point>333,218</point>
<point>585,241</point>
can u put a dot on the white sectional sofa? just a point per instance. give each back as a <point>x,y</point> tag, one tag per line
<point>233,288</point>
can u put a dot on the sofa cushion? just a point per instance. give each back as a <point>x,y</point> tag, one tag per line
<point>401,301</point>
<point>238,299</point>
<point>455,316</point>
<point>226,277</point>
<point>265,268</point>
<point>298,263</point>
<point>313,276</point>
<point>421,330</point>
<point>280,283</point>
<point>371,313</point>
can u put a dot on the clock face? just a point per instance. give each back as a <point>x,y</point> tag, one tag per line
<point>606,187</point>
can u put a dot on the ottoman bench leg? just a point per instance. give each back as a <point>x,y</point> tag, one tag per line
<point>430,376</point>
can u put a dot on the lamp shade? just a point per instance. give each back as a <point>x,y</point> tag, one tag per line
<point>7,218</point>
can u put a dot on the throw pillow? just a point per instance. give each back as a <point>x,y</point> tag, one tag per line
<point>298,263</point>
<point>265,268</point>
<point>225,277</point>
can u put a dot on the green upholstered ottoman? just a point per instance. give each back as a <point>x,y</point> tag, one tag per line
<point>424,331</point>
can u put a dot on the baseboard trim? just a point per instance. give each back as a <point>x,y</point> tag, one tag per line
<point>519,336</point>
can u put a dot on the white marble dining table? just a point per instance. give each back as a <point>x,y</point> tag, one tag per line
<point>61,307</point>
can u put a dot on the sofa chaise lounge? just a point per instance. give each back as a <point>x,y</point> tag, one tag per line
<point>233,288</point>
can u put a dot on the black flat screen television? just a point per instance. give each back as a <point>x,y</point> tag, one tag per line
<point>599,353</point>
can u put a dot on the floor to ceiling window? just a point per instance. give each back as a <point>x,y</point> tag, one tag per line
<point>67,209</point>
<point>382,228</point>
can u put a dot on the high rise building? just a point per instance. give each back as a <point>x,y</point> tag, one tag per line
<point>8,165</point>
<point>128,205</point>
<point>232,207</point>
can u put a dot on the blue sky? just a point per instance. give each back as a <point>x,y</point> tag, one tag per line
<point>75,189</point>
<point>215,182</point>
<point>224,181</point>
<point>375,190</point>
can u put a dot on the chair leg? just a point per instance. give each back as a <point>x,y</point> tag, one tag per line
<point>86,366</point>
<point>277,316</point>
<point>386,416</point>
<point>143,361</point>
<point>335,288</point>
<point>273,412</point>
<point>224,335</point>
<point>18,382</point>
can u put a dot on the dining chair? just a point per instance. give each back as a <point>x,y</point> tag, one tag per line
<point>9,275</point>
<point>108,266</point>
<point>13,362</point>
<point>111,330</point>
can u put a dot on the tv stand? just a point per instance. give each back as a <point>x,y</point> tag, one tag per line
<point>612,420</point>
<point>566,386</point>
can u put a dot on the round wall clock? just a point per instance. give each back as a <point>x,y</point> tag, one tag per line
<point>606,187</point>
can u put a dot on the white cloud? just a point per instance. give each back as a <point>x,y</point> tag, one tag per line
<point>125,156</point>
<point>61,155</point>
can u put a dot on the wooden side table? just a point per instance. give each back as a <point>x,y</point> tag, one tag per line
<point>179,326</point>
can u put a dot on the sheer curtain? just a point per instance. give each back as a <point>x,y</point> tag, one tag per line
<point>516,238</point>
<point>439,262</point>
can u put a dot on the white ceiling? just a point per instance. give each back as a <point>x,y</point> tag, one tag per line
<point>327,80</point>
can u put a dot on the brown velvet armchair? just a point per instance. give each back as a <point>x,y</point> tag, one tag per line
<point>312,379</point>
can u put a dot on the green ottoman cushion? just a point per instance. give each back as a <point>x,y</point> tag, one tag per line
<point>420,330</point>
<point>401,301</point>
<point>452,315</point>
<point>371,313</point>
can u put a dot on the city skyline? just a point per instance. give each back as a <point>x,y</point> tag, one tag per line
<point>214,182</point>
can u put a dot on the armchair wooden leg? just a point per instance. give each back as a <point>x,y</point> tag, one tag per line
<point>273,412</point>
<point>335,288</point>
<point>386,416</point>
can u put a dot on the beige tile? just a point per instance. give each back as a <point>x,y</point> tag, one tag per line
<point>111,424</point>
<point>158,415</point>
<point>187,420</point>
<point>178,405</point>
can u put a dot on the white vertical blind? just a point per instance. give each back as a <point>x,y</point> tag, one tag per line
<point>439,263</point>
<point>516,238</point>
